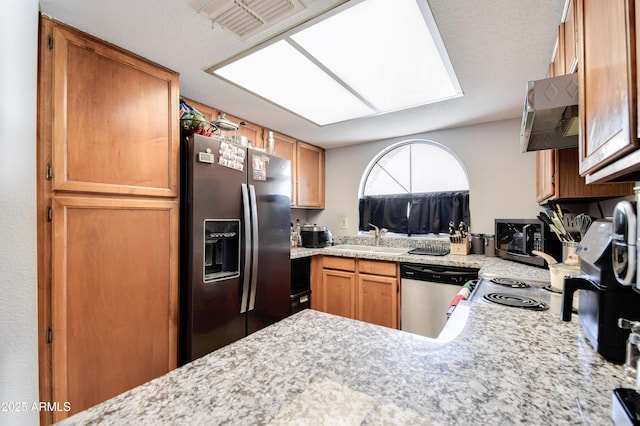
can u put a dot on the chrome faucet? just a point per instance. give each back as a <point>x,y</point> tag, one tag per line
<point>378,233</point>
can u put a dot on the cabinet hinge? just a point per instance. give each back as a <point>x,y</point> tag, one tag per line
<point>50,42</point>
<point>49,336</point>
<point>48,172</point>
<point>553,180</point>
<point>49,214</point>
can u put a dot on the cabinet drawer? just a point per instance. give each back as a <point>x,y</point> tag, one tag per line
<point>375,267</point>
<point>342,263</point>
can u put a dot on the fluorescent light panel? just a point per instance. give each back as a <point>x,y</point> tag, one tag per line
<point>375,57</point>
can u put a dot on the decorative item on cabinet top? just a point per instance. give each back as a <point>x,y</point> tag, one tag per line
<point>193,121</point>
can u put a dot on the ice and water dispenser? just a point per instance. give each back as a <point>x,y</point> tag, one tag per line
<point>221,249</point>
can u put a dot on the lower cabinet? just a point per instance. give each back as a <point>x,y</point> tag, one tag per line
<point>362,289</point>
<point>114,292</point>
<point>377,290</point>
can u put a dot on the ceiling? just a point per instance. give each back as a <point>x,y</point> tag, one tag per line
<point>495,47</point>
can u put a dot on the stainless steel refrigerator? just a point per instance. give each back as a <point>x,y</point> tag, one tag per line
<point>235,236</point>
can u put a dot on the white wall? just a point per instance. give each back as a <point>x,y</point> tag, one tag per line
<point>502,180</point>
<point>18,271</point>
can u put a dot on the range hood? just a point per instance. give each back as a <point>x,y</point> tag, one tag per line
<point>550,117</point>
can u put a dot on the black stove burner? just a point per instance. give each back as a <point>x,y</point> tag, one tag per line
<point>516,301</point>
<point>508,282</point>
<point>552,290</point>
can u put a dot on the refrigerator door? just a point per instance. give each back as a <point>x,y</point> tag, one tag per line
<point>212,248</point>
<point>269,179</point>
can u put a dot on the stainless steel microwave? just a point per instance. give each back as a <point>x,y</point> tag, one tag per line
<point>517,238</point>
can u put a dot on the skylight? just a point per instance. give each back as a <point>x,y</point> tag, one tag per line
<point>375,57</point>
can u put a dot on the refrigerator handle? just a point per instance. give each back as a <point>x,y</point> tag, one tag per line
<point>255,246</point>
<point>247,248</point>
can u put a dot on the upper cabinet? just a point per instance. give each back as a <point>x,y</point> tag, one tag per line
<point>608,90</point>
<point>310,176</point>
<point>253,132</point>
<point>114,126</point>
<point>307,171</point>
<point>558,178</point>
<point>570,42</point>
<point>285,147</point>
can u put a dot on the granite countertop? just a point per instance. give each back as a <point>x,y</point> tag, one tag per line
<point>489,266</point>
<point>507,366</point>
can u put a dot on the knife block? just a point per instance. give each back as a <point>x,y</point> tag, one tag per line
<point>460,248</point>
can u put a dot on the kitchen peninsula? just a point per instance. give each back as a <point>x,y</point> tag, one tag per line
<point>507,366</point>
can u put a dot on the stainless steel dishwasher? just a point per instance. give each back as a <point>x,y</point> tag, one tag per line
<point>426,292</point>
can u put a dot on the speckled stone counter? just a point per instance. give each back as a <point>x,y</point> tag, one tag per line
<point>507,366</point>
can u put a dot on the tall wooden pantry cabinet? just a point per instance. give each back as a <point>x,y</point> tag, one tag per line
<point>108,203</point>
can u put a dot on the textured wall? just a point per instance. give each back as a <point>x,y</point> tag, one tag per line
<point>18,275</point>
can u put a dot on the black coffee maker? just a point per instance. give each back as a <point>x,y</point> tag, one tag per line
<point>603,299</point>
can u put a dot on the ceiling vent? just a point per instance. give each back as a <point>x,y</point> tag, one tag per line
<point>246,18</point>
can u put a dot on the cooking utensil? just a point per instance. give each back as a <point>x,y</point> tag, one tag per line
<point>582,222</point>
<point>550,259</point>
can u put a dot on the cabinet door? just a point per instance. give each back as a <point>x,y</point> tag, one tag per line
<point>310,174</point>
<point>250,130</point>
<point>606,90</point>
<point>115,120</point>
<point>558,58</point>
<point>285,147</point>
<point>570,39</point>
<point>339,293</point>
<point>115,294</point>
<point>378,300</point>
<point>545,188</point>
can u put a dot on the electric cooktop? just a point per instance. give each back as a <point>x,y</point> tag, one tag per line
<point>517,294</point>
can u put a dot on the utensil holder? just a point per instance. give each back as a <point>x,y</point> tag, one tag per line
<point>460,248</point>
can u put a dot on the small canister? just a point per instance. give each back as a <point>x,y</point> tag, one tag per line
<point>489,245</point>
<point>477,243</point>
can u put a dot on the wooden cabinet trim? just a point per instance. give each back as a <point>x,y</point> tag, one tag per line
<point>340,263</point>
<point>377,267</point>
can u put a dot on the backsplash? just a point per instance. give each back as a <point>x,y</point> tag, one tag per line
<point>429,243</point>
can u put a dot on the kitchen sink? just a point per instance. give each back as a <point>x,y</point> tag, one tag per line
<point>370,249</point>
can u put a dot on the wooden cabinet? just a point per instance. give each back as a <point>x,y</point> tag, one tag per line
<point>558,178</point>
<point>565,54</point>
<point>310,176</point>
<point>108,203</point>
<point>608,90</point>
<point>339,286</point>
<point>570,42</point>
<point>307,171</point>
<point>252,131</point>
<point>366,290</point>
<point>114,296</point>
<point>285,147</point>
<point>557,61</point>
<point>111,129</point>
<point>377,290</point>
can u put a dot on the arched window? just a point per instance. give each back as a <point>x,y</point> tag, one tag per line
<point>414,187</point>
